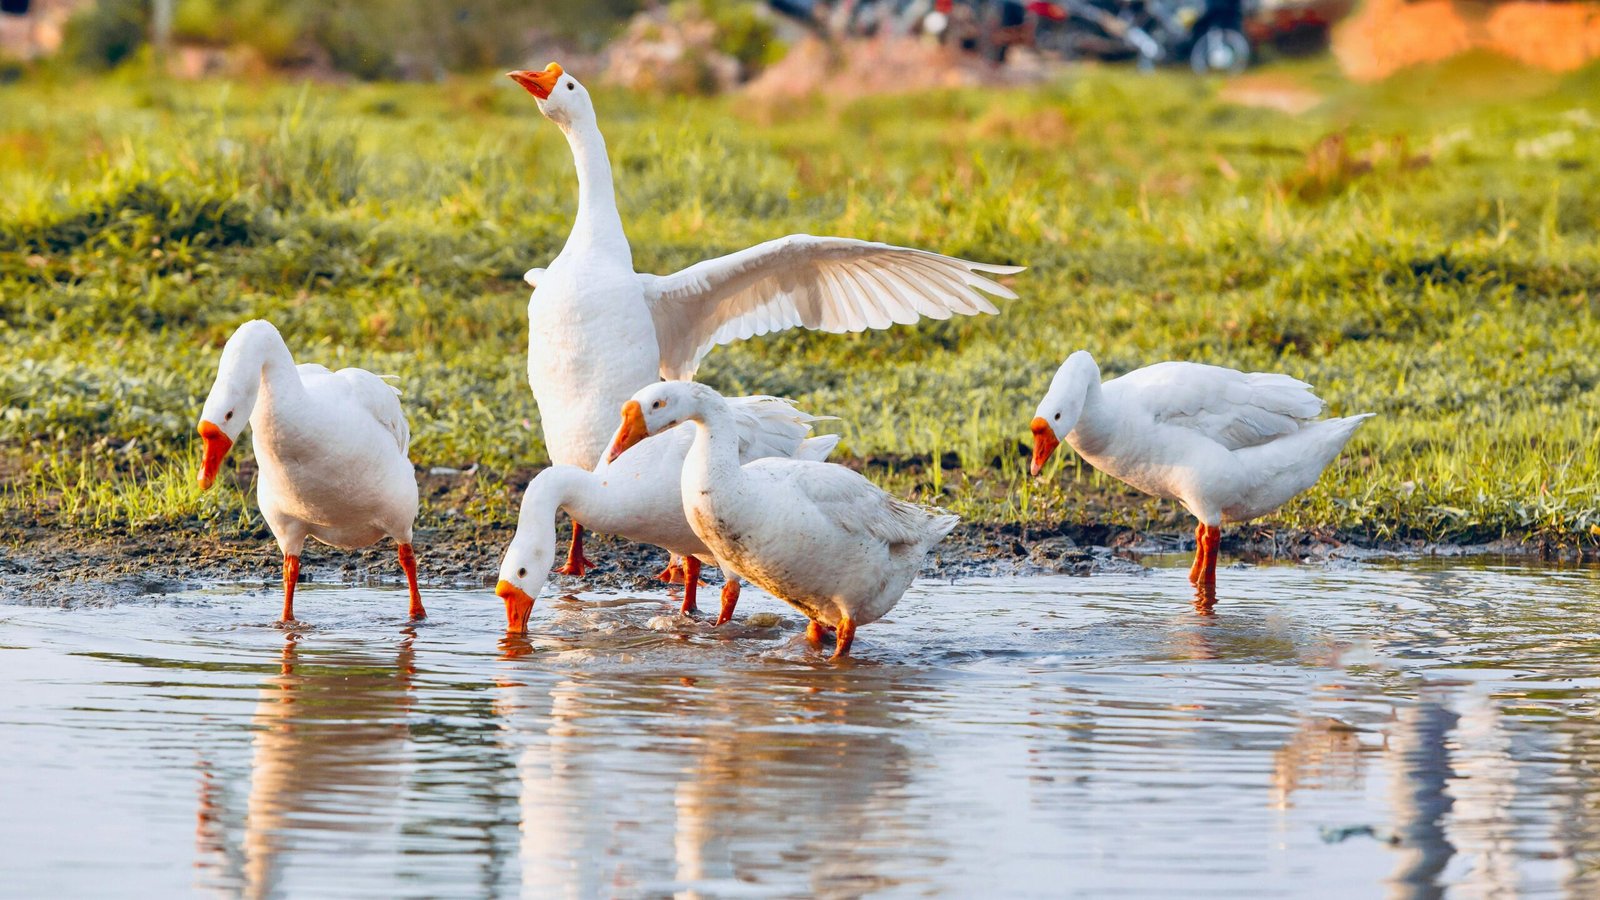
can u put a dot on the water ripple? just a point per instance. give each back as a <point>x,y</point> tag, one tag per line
<point>1396,728</point>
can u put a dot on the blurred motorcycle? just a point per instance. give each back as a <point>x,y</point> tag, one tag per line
<point>1206,34</point>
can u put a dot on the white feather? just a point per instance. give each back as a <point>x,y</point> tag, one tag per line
<point>599,331</point>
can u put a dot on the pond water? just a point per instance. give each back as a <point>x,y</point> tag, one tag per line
<point>1362,730</point>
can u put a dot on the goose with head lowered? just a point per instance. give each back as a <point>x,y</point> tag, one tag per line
<point>598,331</point>
<point>1228,445</point>
<point>330,446</point>
<point>637,496</point>
<point>816,535</point>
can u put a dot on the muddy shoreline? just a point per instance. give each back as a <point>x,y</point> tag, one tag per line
<point>41,565</point>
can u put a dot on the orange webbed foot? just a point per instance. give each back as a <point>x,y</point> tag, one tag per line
<point>577,563</point>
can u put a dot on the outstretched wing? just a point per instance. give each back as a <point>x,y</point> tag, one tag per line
<point>382,400</point>
<point>823,283</point>
<point>1235,409</point>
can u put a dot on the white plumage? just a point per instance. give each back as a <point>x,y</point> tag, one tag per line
<point>637,496</point>
<point>828,284</point>
<point>1235,409</point>
<point>599,331</point>
<point>331,449</point>
<point>818,536</point>
<point>1228,445</point>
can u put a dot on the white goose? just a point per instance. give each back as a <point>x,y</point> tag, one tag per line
<point>1226,444</point>
<point>638,497</point>
<point>331,447</point>
<point>818,536</point>
<point>598,331</point>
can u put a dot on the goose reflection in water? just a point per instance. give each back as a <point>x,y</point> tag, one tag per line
<point>1323,753</point>
<point>331,753</point>
<point>783,778</point>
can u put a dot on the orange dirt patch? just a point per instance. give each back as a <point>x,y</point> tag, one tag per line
<point>1270,91</point>
<point>1385,36</point>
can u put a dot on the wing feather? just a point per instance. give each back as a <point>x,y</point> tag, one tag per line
<point>907,304</point>
<point>961,296</point>
<point>824,283</point>
<point>770,426</point>
<point>882,303</point>
<point>962,284</point>
<point>381,400</point>
<point>1235,409</point>
<point>899,309</point>
<point>854,504</point>
<point>843,311</point>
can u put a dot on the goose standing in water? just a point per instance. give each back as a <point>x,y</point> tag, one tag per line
<point>331,447</point>
<point>1226,444</point>
<point>598,331</point>
<point>816,535</point>
<point>638,497</point>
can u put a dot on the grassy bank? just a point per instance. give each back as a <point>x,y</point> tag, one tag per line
<point>1433,260</point>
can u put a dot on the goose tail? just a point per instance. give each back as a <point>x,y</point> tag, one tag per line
<point>817,448</point>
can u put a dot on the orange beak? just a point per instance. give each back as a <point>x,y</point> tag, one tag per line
<point>519,606</point>
<point>1045,443</point>
<point>217,446</point>
<point>631,432</point>
<point>539,84</point>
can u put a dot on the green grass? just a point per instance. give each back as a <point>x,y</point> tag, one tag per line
<point>1438,264</point>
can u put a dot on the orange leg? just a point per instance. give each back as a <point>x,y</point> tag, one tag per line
<point>814,633</point>
<point>730,599</point>
<point>577,563</point>
<point>673,573</point>
<point>291,575</point>
<point>408,562</point>
<point>691,580</point>
<point>1199,553</point>
<point>1208,573</point>
<point>847,635</point>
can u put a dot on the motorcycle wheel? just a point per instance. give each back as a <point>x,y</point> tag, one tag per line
<point>1220,50</point>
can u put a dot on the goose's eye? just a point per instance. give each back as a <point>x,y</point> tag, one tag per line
<point>571,86</point>
<point>228,417</point>
<point>522,573</point>
<point>1058,417</point>
<point>658,404</point>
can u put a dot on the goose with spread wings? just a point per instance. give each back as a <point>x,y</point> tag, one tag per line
<point>599,331</point>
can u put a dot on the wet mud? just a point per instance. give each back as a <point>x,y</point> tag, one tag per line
<point>53,566</point>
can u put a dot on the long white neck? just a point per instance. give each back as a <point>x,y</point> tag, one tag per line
<point>263,363</point>
<point>714,456</point>
<point>1095,421</point>
<point>560,487</point>
<point>280,382</point>
<point>598,223</point>
<point>536,521</point>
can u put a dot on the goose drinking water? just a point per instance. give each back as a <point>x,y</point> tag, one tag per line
<point>637,496</point>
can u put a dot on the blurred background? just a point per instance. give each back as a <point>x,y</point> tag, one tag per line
<point>704,46</point>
